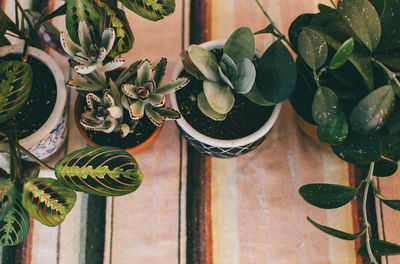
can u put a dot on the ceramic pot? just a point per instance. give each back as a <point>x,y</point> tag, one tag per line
<point>48,139</point>
<point>79,103</point>
<point>218,147</point>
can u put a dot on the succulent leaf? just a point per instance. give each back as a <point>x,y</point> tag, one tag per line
<point>107,39</point>
<point>128,73</point>
<point>228,67</point>
<point>173,86</point>
<point>240,45</point>
<point>129,90</point>
<point>83,69</point>
<point>68,45</point>
<point>246,77</point>
<point>224,78</point>
<point>136,109</point>
<point>84,86</point>
<point>112,65</point>
<point>167,113</point>
<point>114,112</point>
<point>104,171</point>
<point>206,109</point>
<point>144,72</point>
<point>159,70</point>
<point>157,100</point>
<point>204,61</point>
<point>154,116</point>
<point>219,96</point>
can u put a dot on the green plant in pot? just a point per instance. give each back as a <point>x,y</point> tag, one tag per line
<point>233,82</point>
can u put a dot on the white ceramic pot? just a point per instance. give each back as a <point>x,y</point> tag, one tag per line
<point>218,147</point>
<point>50,137</point>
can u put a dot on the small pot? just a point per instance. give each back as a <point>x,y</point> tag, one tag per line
<point>48,139</point>
<point>78,108</point>
<point>218,147</point>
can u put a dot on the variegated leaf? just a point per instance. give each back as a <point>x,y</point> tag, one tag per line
<point>105,171</point>
<point>47,200</point>
<point>15,225</point>
<point>150,9</point>
<point>15,86</point>
<point>7,196</point>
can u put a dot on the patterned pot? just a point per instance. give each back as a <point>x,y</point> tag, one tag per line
<point>218,147</point>
<point>50,137</point>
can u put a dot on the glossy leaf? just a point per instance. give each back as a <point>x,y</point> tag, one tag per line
<point>390,145</point>
<point>312,48</point>
<point>380,248</point>
<point>15,86</point>
<point>359,149</point>
<point>152,10</point>
<point>371,113</point>
<point>334,133</point>
<point>255,96</point>
<point>361,17</point>
<point>334,232</point>
<point>47,200</point>
<point>327,196</point>
<point>325,106</point>
<point>7,196</point>
<point>342,54</point>
<point>240,45</point>
<point>105,171</point>
<point>393,123</point>
<point>276,73</point>
<point>385,168</point>
<point>15,225</point>
<point>394,204</point>
<point>296,27</point>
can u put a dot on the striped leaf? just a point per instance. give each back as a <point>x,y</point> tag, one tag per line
<point>7,196</point>
<point>150,9</point>
<point>47,200</point>
<point>105,171</point>
<point>115,18</point>
<point>15,225</point>
<point>15,86</point>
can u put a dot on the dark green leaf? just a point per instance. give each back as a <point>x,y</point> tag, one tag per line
<point>327,196</point>
<point>342,54</point>
<point>390,59</point>
<point>385,167</point>
<point>240,45</point>
<point>334,133</point>
<point>105,171</point>
<point>325,106</point>
<point>393,123</point>
<point>276,73</point>
<point>296,27</point>
<point>3,22</point>
<point>15,86</point>
<point>359,149</point>
<point>371,113</point>
<point>4,41</point>
<point>334,232</point>
<point>390,145</point>
<point>15,225</point>
<point>362,18</point>
<point>152,10</point>
<point>255,96</point>
<point>47,200</point>
<point>394,204</point>
<point>7,196</point>
<point>312,48</point>
<point>380,248</point>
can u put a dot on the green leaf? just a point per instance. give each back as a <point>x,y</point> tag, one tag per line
<point>371,113</point>
<point>312,48</point>
<point>167,113</point>
<point>266,30</point>
<point>7,196</point>
<point>219,96</point>
<point>359,149</point>
<point>334,232</point>
<point>276,73</point>
<point>393,123</point>
<point>3,22</point>
<point>47,200</point>
<point>204,61</point>
<point>342,54</point>
<point>240,45</point>
<point>394,204</point>
<point>385,167</point>
<point>296,27</point>
<point>206,109</point>
<point>379,248</point>
<point>361,17</point>
<point>334,133</point>
<point>15,225</point>
<point>325,106</point>
<point>391,59</point>
<point>105,171</point>
<point>327,196</point>
<point>255,96</point>
<point>15,86</point>
<point>390,145</point>
<point>150,9</point>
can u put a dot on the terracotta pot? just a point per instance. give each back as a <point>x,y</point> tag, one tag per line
<point>79,103</point>
<point>218,147</point>
<point>48,139</point>
<point>311,132</point>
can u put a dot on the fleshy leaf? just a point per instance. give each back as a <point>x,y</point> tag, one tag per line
<point>204,61</point>
<point>159,70</point>
<point>84,86</point>
<point>167,113</point>
<point>154,116</point>
<point>172,86</point>
<point>206,109</point>
<point>296,27</point>
<point>334,232</point>
<point>394,204</point>
<point>380,248</point>
<point>325,106</point>
<point>342,54</point>
<point>104,171</point>
<point>47,200</point>
<point>245,78</point>
<point>385,167</point>
<point>312,48</point>
<point>152,10</point>
<point>219,96</point>
<point>327,196</point>
<point>334,133</point>
<point>240,45</point>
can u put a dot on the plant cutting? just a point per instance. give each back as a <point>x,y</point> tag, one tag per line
<point>235,93</point>
<point>347,86</point>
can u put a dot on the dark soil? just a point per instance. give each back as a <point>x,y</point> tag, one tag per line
<point>40,103</point>
<point>245,118</point>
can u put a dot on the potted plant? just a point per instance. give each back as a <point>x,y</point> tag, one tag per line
<point>234,95</point>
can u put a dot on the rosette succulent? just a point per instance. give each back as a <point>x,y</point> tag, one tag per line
<point>234,72</point>
<point>146,96</point>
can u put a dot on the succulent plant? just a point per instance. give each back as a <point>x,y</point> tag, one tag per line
<point>235,72</point>
<point>146,95</point>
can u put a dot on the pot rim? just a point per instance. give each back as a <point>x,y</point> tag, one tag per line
<point>61,96</point>
<point>221,142</point>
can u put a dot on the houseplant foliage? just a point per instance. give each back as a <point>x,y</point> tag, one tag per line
<point>347,85</point>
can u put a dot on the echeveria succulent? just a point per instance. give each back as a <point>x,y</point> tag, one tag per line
<point>146,96</point>
<point>234,72</point>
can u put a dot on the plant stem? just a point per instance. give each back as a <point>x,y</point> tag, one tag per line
<point>368,181</point>
<point>391,75</point>
<point>30,155</point>
<point>281,36</point>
